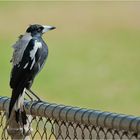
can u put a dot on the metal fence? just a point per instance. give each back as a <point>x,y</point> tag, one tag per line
<point>52,121</point>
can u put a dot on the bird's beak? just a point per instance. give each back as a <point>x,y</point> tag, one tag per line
<point>47,28</point>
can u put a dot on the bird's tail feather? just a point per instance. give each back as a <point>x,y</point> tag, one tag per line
<point>16,104</point>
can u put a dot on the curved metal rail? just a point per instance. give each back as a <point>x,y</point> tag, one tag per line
<point>79,115</point>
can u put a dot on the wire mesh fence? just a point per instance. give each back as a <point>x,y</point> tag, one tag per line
<point>52,121</point>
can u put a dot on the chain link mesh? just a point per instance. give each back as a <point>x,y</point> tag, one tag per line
<point>55,124</point>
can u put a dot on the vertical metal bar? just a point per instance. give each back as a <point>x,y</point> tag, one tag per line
<point>16,130</point>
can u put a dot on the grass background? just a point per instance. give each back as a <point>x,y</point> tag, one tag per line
<point>94,54</point>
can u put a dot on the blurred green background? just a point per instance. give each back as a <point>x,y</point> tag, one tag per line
<point>94,54</point>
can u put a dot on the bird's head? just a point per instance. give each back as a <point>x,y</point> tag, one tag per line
<point>37,29</point>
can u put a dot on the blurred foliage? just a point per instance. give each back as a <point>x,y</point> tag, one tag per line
<point>94,54</point>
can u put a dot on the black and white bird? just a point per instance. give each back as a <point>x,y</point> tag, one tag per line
<point>29,56</point>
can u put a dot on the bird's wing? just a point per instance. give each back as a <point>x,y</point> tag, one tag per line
<point>19,48</point>
<point>24,65</point>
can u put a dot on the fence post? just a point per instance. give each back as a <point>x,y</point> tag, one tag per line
<point>16,131</point>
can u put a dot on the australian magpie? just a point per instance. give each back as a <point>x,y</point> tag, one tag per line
<point>29,56</point>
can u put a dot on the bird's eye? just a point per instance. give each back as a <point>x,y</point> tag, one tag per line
<point>40,29</point>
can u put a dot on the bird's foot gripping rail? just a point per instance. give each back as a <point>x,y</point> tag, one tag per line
<point>52,121</point>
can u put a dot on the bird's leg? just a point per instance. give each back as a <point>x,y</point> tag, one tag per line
<point>29,96</point>
<point>34,94</point>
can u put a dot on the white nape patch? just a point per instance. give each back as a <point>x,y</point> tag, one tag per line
<point>27,36</point>
<point>19,101</point>
<point>25,66</point>
<point>34,50</point>
<point>19,48</point>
